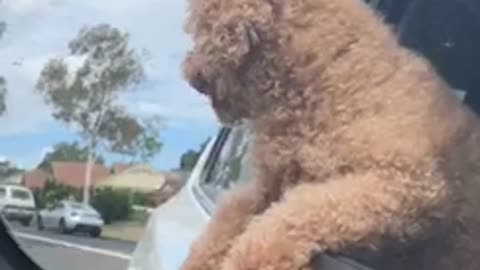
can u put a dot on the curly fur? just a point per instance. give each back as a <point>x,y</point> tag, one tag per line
<point>359,144</point>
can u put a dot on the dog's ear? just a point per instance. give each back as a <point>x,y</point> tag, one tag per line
<point>239,40</point>
<point>229,51</point>
<point>251,38</point>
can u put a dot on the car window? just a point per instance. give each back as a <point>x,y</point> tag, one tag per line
<point>60,206</point>
<point>3,192</point>
<point>20,194</point>
<point>55,206</point>
<point>228,163</point>
<point>77,206</point>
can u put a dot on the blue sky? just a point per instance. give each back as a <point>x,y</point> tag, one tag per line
<point>40,29</point>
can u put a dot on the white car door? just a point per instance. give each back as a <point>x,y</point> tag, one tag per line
<point>219,168</point>
<point>57,214</point>
<point>50,215</point>
<point>46,216</point>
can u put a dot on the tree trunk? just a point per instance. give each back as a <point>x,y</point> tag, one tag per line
<point>88,174</point>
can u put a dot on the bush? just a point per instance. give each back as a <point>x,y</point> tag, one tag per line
<point>139,216</point>
<point>142,199</point>
<point>113,204</point>
<point>54,192</point>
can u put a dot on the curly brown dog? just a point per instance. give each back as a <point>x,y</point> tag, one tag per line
<point>359,144</point>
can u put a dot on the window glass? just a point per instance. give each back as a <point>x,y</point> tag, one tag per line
<point>3,192</point>
<point>20,194</point>
<point>230,163</point>
<point>446,33</point>
<point>77,206</point>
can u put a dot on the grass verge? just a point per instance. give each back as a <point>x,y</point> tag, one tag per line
<point>129,231</point>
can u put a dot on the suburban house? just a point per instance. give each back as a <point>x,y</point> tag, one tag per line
<point>173,183</point>
<point>67,173</point>
<point>35,179</point>
<point>14,179</point>
<point>138,178</point>
<point>119,167</point>
<point>159,186</point>
<point>73,173</point>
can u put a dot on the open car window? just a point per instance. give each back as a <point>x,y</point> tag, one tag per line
<point>228,163</point>
<point>446,33</point>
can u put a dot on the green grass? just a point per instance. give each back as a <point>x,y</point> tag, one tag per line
<point>130,230</point>
<point>126,232</point>
<point>139,217</point>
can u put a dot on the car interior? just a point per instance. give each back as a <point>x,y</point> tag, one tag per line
<point>444,31</point>
<point>12,257</point>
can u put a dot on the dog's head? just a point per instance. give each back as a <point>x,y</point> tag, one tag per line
<point>225,61</point>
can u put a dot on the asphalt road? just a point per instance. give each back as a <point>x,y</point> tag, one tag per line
<point>54,251</point>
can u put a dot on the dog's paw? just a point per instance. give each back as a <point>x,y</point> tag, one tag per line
<point>264,249</point>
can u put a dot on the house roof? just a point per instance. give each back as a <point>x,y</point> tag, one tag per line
<point>120,167</point>
<point>140,178</point>
<point>176,177</point>
<point>73,173</point>
<point>35,179</point>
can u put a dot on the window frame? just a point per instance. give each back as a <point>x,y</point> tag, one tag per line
<point>5,192</point>
<point>207,203</point>
<point>20,191</point>
<point>201,195</point>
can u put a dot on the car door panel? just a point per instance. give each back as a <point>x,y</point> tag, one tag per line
<point>47,218</point>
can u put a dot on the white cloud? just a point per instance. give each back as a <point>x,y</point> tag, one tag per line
<point>45,151</point>
<point>13,163</point>
<point>181,116</point>
<point>39,30</point>
<point>26,111</point>
<point>28,160</point>
<point>24,7</point>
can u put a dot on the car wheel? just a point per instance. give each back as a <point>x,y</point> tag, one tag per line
<point>62,227</point>
<point>40,226</point>
<point>96,232</point>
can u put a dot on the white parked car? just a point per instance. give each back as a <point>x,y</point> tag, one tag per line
<point>174,225</point>
<point>69,216</point>
<point>17,204</point>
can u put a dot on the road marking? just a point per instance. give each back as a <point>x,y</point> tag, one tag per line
<point>71,245</point>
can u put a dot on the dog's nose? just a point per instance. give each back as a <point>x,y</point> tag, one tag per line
<point>199,82</point>
<point>193,73</point>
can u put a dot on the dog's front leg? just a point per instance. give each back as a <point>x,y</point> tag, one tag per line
<point>228,221</point>
<point>317,217</point>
